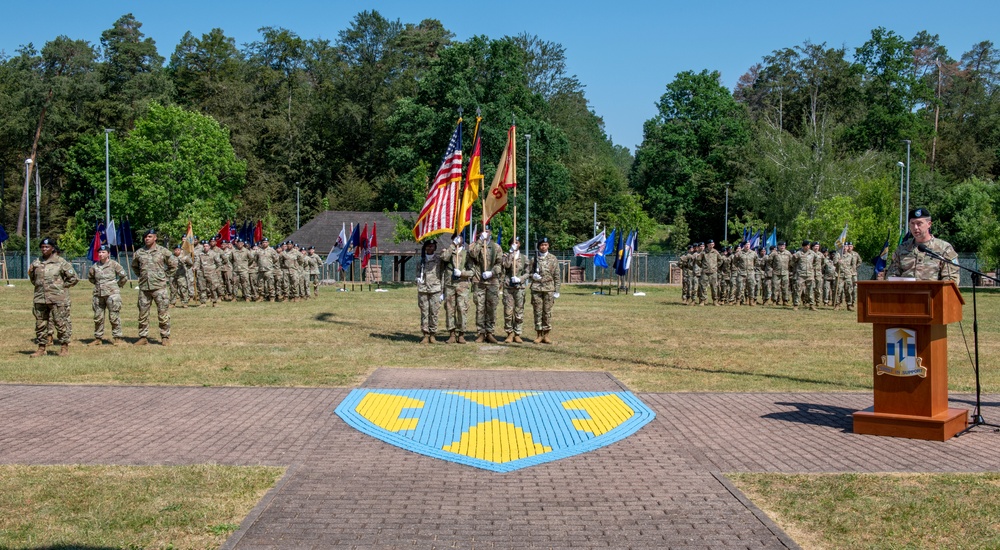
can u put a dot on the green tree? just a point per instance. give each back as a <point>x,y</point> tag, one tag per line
<point>132,74</point>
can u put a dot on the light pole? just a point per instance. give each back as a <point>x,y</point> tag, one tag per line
<point>107,180</point>
<point>527,189</point>
<point>27,217</point>
<point>907,176</point>
<point>902,213</point>
<point>725,232</point>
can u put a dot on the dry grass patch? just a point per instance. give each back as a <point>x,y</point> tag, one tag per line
<point>127,507</point>
<point>652,343</point>
<point>848,511</point>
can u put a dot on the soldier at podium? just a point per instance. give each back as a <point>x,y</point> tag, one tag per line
<point>909,261</point>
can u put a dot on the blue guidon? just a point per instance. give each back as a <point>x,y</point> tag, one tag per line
<point>495,430</point>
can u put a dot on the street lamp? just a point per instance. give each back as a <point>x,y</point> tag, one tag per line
<point>907,176</point>
<point>902,212</point>
<point>27,217</point>
<point>107,180</point>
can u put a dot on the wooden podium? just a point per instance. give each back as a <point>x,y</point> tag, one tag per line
<point>910,353</point>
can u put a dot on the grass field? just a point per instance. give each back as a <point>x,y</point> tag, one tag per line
<point>651,343</point>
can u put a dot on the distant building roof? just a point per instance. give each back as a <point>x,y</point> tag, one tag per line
<point>322,231</point>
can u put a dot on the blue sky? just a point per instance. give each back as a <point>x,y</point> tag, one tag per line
<point>624,52</point>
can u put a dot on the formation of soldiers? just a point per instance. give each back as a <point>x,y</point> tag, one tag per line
<point>739,275</point>
<point>220,270</point>
<point>485,272</point>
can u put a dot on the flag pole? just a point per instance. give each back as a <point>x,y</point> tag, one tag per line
<point>132,241</point>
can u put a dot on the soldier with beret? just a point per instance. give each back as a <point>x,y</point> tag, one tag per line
<point>803,267</point>
<point>781,264</point>
<point>457,282</point>
<point>545,281</point>
<point>710,260</point>
<point>515,268</point>
<point>315,264</point>
<point>909,261</point>
<point>154,266</point>
<point>52,277</point>
<point>266,259</point>
<point>240,257</point>
<point>485,260</point>
<point>854,263</point>
<point>180,283</point>
<point>208,264</point>
<point>227,287</point>
<point>107,276</point>
<point>430,275</point>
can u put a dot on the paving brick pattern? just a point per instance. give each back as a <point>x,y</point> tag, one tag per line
<point>660,488</point>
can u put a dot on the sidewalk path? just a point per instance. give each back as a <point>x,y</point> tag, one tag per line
<point>659,488</point>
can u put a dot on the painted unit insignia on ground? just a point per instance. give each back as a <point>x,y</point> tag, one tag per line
<point>495,430</point>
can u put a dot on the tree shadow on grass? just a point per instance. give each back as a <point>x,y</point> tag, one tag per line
<point>327,317</point>
<point>816,415</point>
<point>398,337</point>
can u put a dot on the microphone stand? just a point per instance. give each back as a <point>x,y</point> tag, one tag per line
<point>977,417</point>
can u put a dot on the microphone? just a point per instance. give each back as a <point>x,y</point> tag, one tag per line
<point>923,248</point>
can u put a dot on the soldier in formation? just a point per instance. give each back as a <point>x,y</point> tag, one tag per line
<point>457,284</point>
<point>545,280</point>
<point>515,275</point>
<point>52,277</point>
<point>180,281</point>
<point>485,261</point>
<point>207,265</point>
<point>108,277</point>
<point>154,265</point>
<point>429,290</point>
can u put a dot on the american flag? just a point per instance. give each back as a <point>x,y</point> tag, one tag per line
<point>438,214</point>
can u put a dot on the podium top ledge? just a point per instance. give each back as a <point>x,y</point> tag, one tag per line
<point>909,302</point>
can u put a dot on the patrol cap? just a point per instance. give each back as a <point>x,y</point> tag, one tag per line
<point>149,232</point>
<point>920,213</point>
<point>48,241</point>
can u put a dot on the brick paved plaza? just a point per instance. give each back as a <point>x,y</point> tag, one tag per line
<point>662,487</point>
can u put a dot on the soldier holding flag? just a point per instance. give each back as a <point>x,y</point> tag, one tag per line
<point>516,273</point>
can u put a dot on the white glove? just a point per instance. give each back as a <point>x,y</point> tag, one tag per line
<point>555,294</point>
<point>515,280</point>
<point>457,241</point>
<point>487,274</point>
<point>457,272</point>
<point>420,280</point>
<point>459,248</point>
<point>536,276</point>
<point>441,297</point>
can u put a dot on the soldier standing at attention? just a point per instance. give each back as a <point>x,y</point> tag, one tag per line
<point>767,295</point>
<point>803,277</point>
<point>208,264</point>
<point>515,268</point>
<point>854,263</point>
<point>829,277</point>
<point>818,256</point>
<point>709,262</point>
<point>781,263</point>
<point>52,277</point>
<point>485,259</point>
<point>697,290</point>
<point>457,282</point>
<point>180,285</point>
<point>315,263</point>
<point>107,276</point>
<point>429,289</point>
<point>682,262</point>
<point>909,261</point>
<point>545,282</point>
<point>241,270</point>
<point>266,258</point>
<point>154,265</point>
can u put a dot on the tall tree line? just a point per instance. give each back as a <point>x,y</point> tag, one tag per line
<point>356,123</point>
<point>811,138</point>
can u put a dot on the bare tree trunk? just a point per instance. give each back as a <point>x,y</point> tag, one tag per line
<point>31,167</point>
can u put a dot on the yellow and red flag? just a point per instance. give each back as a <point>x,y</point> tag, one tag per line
<point>473,182</point>
<point>505,179</point>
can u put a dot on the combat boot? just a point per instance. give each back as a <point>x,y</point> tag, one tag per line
<point>812,307</point>
<point>430,338</point>
<point>96,342</point>
<point>184,305</point>
<point>510,338</point>
<point>40,352</point>
<point>461,337</point>
<point>540,335</point>
<point>63,350</point>
<point>142,341</point>
<point>491,339</point>
<point>425,339</point>
<point>451,338</point>
<point>49,339</point>
<point>118,342</point>
<point>850,307</point>
<point>517,339</point>
<point>795,308</point>
<point>165,341</point>
<point>481,338</point>
<point>545,337</point>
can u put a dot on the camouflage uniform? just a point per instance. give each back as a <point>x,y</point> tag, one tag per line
<point>829,279</point>
<point>486,256</point>
<point>154,265</point>
<point>266,258</point>
<point>226,286</point>
<point>545,281</point>
<point>907,261</point>
<point>781,265</point>
<point>180,282</point>
<point>697,288</point>
<point>289,285</point>
<point>302,264</point>
<point>241,272</point>
<point>515,264</point>
<point>456,288</point>
<point>208,265</point>
<point>852,289</point>
<point>107,279</point>
<point>803,266</point>
<point>843,280</point>
<point>683,263</point>
<point>429,288</point>
<point>253,274</point>
<point>315,264</point>
<point>743,267</point>
<point>52,279</point>
<point>817,276</point>
<point>757,292</point>
<point>709,261</point>
<point>768,280</point>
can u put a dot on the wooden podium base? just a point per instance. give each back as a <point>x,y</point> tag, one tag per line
<point>940,427</point>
